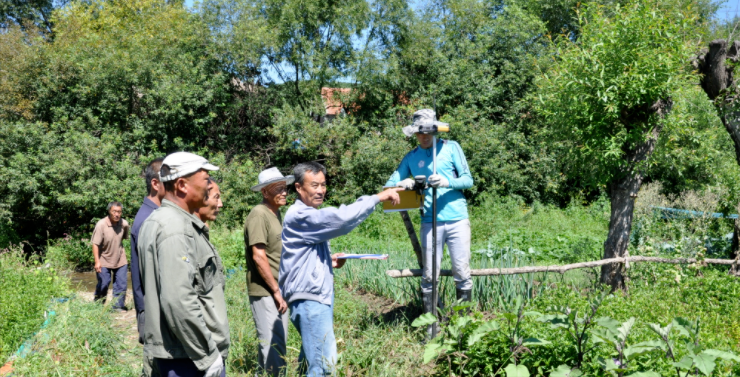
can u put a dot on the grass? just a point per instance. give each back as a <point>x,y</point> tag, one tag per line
<point>27,290</point>
<point>373,312</point>
<point>369,342</point>
<point>82,340</point>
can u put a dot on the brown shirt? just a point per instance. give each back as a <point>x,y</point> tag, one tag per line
<point>109,239</point>
<point>262,226</point>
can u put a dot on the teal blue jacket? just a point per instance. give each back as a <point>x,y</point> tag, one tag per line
<point>451,164</point>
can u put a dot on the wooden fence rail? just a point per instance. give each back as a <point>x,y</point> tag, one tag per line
<point>407,273</point>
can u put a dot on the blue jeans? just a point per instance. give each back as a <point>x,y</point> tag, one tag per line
<point>315,322</point>
<point>119,284</point>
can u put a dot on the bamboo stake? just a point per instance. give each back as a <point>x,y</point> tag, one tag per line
<point>407,273</point>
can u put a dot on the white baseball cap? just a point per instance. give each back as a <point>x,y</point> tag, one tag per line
<point>184,163</point>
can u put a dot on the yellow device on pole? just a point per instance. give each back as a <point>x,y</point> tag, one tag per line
<point>409,200</point>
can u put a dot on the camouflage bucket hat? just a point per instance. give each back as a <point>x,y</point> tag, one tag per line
<point>422,117</point>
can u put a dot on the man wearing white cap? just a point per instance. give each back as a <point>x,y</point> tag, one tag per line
<point>186,332</point>
<point>262,231</point>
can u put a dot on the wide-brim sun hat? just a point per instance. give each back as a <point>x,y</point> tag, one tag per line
<point>184,163</point>
<point>270,176</point>
<point>423,117</point>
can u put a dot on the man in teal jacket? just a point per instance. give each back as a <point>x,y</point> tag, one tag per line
<point>453,226</point>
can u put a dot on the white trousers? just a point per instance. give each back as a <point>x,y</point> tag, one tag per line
<point>272,331</point>
<point>456,234</point>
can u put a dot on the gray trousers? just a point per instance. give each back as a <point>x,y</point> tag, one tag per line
<point>272,331</point>
<point>456,234</point>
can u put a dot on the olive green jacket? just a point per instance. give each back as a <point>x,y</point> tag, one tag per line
<point>183,282</point>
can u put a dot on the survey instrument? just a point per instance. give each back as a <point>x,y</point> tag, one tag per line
<point>409,200</point>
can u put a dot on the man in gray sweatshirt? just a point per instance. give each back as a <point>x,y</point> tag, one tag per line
<point>306,277</point>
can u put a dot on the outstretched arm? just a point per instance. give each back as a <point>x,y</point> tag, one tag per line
<point>321,225</point>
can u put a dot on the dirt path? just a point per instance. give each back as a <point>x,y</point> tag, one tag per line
<point>126,323</point>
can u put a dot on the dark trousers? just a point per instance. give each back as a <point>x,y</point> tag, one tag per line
<point>180,368</point>
<point>119,284</point>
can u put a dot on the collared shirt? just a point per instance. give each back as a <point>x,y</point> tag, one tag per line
<point>183,276</point>
<point>306,272</point>
<point>451,164</point>
<point>145,210</point>
<point>109,239</point>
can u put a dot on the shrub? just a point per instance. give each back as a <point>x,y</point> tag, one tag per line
<point>72,252</point>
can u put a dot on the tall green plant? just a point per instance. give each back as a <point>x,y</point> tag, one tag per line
<point>606,96</point>
<point>697,360</point>
<point>577,327</point>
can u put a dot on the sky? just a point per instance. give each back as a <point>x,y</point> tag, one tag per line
<point>728,10</point>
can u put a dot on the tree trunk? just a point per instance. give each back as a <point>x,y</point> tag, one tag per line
<point>623,192</point>
<point>718,82</point>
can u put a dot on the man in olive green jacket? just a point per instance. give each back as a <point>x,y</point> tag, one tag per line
<point>186,332</point>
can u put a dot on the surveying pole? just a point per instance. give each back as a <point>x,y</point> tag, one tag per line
<point>435,291</point>
<point>433,129</point>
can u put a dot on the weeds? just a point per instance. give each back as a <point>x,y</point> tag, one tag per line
<point>81,340</point>
<point>27,289</point>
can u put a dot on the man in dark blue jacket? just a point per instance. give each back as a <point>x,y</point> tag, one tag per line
<point>155,193</point>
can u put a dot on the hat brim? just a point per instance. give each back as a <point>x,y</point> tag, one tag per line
<point>172,177</point>
<point>411,129</point>
<point>209,167</point>
<point>287,179</point>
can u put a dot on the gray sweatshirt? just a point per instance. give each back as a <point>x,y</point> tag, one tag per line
<point>305,264</point>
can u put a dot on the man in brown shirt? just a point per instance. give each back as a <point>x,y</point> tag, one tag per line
<point>110,257</point>
<point>262,232</point>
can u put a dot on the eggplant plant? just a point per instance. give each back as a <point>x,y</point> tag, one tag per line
<point>616,333</point>
<point>578,329</point>
<point>459,334</point>
<point>697,360</point>
<point>463,331</point>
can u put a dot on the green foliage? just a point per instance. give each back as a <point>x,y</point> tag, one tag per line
<point>63,179</point>
<point>28,13</point>
<point>230,246</point>
<point>696,358</point>
<point>8,236</point>
<point>693,147</point>
<point>464,331</point>
<point>28,288</point>
<point>577,327</point>
<point>235,178</point>
<point>597,93</point>
<point>461,332</point>
<point>18,57</point>
<point>158,84</point>
<point>72,252</point>
<point>513,370</point>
